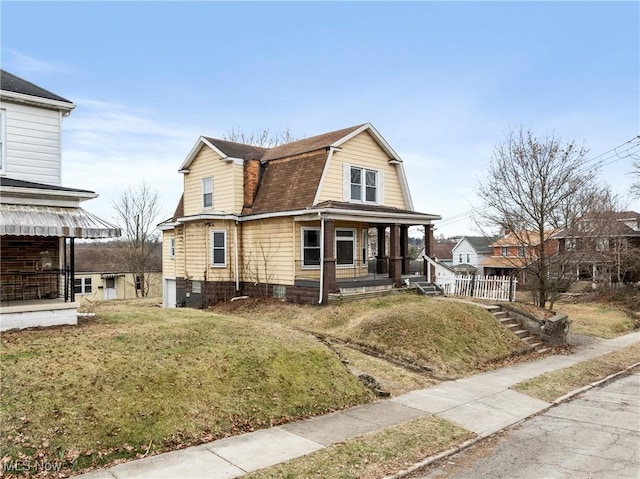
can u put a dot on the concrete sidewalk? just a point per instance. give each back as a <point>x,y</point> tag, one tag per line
<point>483,404</point>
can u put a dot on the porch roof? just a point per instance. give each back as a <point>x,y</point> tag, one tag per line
<point>37,220</point>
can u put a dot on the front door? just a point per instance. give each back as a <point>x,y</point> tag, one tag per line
<point>110,288</point>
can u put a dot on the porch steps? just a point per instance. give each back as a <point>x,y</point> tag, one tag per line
<point>531,340</point>
<point>428,289</point>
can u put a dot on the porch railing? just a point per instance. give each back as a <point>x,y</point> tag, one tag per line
<point>374,269</point>
<point>29,285</point>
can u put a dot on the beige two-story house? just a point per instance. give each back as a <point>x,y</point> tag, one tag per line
<point>298,221</point>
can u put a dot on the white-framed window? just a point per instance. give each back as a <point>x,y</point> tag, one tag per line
<point>138,282</point>
<point>345,247</point>
<point>602,244</point>
<point>521,251</point>
<point>468,258</point>
<point>207,192</point>
<point>219,248</point>
<point>460,258</point>
<point>504,251</point>
<point>82,285</point>
<point>172,247</point>
<point>310,247</point>
<point>364,247</point>
<point>362,185</point>
<point>3,141</point>
<point>570,244</point>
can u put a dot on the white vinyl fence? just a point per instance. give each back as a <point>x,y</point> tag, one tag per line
<point>498,288</point>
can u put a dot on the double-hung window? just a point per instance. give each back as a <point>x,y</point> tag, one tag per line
<point>172,247</point>
<point>82,285</point>
<point>310,247</point>
<point>345,247</point>
<point>207,192</point>
<point>219,248</point>
<point>364,185</point>
<point>504,251</point>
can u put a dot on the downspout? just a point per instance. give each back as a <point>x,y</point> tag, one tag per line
<point>235,248</point>
<point>321,257</point>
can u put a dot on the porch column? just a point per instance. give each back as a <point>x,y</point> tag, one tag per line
<point>382,240</point>
<point>395,260</point>
<point>329,263</point>
<point>72,265</point>
<point>404,249</point>
<point>428,249</point>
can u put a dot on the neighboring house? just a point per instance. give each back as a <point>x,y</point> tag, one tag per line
<point>512,252</point>
<point>100,274</point>
<point>39,218</point>
<point>603,248</point>
<point>291,222</point>
<point>470,252</point>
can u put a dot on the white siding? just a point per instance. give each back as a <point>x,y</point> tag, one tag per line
<point>33,144</point>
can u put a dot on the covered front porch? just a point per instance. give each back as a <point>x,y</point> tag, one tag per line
<point>358,249</point>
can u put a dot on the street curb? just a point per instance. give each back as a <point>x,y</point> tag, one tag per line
<point>471,442</point>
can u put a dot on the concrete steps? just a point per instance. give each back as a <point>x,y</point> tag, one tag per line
<point>531,340</point>
<point>427,289</point>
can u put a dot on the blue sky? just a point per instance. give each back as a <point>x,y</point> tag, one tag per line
<point>442,82</point>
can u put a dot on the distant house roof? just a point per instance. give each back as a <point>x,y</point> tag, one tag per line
<point>443,250</point>
<point>612,223</point>
<point>11,83</point>
<point>530,238</point>
<point>482,244</point>
<point>107,259</point>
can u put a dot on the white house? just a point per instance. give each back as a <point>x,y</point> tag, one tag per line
<point>39,218</point>
<point>470,251</point>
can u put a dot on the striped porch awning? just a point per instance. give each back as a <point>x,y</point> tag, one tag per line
<point>37,220</point>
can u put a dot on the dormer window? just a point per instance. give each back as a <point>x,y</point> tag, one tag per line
<point>207,192</point>
<point>364,185</point>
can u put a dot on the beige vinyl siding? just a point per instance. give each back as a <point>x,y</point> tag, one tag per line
<point>363,151</point>
<point>33,144</point>
<point>341,271</point>
<point>207,163</point>
<point>238,188</point>
<point>195,252</point>
<point>169,263</point>
<point>267,247</point>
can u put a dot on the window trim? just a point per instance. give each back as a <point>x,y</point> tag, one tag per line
<point>363,185</point>
<point>208,180</point>
<point>302,246</point>
<point>212,248</point>
<point>353,253</point>
<point>172,247</point>
<point>86,285</point>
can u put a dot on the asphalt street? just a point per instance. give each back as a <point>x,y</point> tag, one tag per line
<point>595,435</point>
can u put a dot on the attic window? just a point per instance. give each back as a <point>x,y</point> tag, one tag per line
<point>363,185</point>
<point>207,192</point>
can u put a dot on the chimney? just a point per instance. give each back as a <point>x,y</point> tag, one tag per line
<point>251,178</point>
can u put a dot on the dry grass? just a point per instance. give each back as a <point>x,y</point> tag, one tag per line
<point>450,338</point>
<point>374,455</point>
<point>551,386</point>
<point>140,379</point>
<point>596,319</point>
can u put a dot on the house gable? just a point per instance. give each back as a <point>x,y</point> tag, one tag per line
<point>226,183</point>
<point>364,150</point>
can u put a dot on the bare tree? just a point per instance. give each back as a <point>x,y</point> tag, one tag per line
<point>137,211</point>
<point>264,138</point>
<point>635,186</point>
<point>530,182</point>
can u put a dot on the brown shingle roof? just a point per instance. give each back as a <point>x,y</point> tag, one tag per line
<point>236,150</point>
<point>308,144</point>
<point>289,183</point>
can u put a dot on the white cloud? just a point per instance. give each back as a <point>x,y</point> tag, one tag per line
<point>14,60</point>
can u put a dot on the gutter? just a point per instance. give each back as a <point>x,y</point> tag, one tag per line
<point>321,258</point>
<point>235,248</point>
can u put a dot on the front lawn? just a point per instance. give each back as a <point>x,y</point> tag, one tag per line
<point>139,380</point>
<point>596,319</point>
